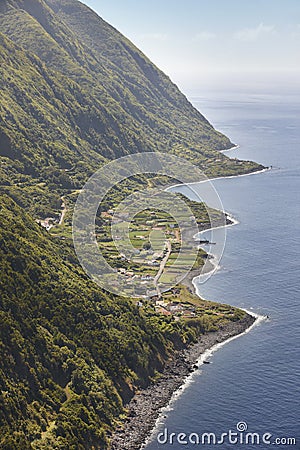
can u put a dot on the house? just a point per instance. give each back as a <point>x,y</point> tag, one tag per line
<point>160,303</point>
<point>175,307</point>
<point>153,263</point>
<point>146,277</point>
<point>163,311</point>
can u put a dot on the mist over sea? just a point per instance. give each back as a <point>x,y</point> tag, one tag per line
<point>253,379</point>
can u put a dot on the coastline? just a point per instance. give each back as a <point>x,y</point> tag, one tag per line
<point>251,318</point>
<point>265,169</point>
<point>235,147</point>
<point>210,265</point>
<point>146,407</point>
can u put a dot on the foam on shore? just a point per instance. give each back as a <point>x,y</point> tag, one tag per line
<point>208,353</point>
<point>266,169</point>
<point>205,356</point>
<point>235,147</point>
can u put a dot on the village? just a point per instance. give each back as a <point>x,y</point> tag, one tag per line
<point>155,244</point>
<point>144,250</point>
<point>143,253</point>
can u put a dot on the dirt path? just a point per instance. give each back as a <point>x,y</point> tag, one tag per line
<point>63,212</point>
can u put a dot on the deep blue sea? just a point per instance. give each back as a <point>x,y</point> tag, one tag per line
<point>254,379</point>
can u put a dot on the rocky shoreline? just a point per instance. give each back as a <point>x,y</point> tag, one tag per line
<point>145,407</point>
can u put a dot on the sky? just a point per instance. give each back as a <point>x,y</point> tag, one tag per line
<point>214,43</point>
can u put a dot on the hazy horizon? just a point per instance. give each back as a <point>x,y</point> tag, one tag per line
<point>214,45</point>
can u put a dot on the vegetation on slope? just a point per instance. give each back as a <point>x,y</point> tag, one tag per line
<point>70,353</point>
<point>74,94</point>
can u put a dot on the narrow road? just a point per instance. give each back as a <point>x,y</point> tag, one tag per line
<point>162,267</point>
<point>64,210</point>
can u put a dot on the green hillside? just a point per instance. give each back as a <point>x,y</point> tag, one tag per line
<point>68,351</point>
<point>74,94</point>
<point>70,354</point>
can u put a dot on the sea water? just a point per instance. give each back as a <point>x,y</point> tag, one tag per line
<point>252,384</point>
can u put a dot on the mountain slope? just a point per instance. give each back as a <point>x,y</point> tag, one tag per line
<point>70,354</point>
<point>68,351</point>
<point>76,91</point>
<point>74,94</point>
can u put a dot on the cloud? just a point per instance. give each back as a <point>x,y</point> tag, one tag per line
<point>155,36</point>
<point>253,34</point>
<point>204,36</point>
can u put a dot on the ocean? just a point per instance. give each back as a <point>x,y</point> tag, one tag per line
<point>252,384</point>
